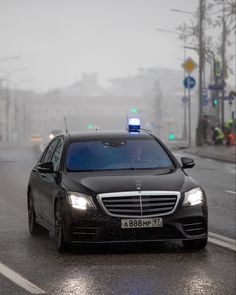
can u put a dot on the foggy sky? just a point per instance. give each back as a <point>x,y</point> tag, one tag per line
<point>58,40</point>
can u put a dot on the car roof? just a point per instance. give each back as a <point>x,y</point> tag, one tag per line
<point>106,134</point>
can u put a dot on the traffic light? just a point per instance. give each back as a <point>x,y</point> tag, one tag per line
<point>171,136</point>
<point>90,126</point>
<point>215,102</point>
<point>217,67</point>
<point>134,110</point>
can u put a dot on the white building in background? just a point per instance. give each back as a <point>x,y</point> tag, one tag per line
<point>100,112</point>
<point>87,86</point>
<point>155,95</point>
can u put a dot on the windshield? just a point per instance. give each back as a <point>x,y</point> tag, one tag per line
<point>116,154</point>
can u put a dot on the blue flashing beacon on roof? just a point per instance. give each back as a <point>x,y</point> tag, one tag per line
<point>134,125</point>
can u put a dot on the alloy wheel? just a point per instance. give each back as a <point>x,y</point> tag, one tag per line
<point>59,228</point>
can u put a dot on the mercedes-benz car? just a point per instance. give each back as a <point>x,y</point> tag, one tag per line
<point>115,186</point>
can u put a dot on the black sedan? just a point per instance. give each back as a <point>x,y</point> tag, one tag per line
<point>107,187</point>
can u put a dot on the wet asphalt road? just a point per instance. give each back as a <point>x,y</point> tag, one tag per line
<point>218,180</point>
<point>133,270</point>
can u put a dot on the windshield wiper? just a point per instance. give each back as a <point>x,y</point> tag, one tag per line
<point>166,170</point>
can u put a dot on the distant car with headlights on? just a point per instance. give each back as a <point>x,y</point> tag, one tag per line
<point>36,137</point>
<point>115,186</point>
<point>53,133</point>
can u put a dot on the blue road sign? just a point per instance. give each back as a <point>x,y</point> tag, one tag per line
<point>189,82</point>
<point>215,87</point>
<point>219,86</point>
<point>228,98</point>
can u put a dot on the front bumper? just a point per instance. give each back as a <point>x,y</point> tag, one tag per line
<point>95,226</point>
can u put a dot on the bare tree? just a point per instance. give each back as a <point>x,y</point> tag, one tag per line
<point>229,7</point>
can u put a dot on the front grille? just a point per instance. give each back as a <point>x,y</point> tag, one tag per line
<point>138,204</point>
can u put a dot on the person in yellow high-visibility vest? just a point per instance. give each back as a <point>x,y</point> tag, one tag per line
<point>218,136</point>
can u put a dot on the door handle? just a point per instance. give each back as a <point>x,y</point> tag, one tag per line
<point>34,170</point>
<point>43,175</point>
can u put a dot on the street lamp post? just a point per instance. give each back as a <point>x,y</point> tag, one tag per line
<point>223,49</point>
<point>16,84</point>
<point>199,134</point>
<point>201,45</point>
<point>8,75</point>
<point>6,58</point>
<point>215,82</point>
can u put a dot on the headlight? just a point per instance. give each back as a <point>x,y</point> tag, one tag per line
<point>193,197</point>
<point>51,136</point>
<point>80,201</point>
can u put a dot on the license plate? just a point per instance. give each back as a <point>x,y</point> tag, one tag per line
<point>141,222</point>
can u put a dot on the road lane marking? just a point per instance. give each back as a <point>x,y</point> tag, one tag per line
<point>222,241</point>
<point>19,280</point>
<point>231,192</point>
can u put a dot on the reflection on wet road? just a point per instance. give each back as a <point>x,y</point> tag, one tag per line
<point>217,178</point>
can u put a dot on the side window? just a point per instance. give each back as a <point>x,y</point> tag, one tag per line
<point>50,150</point>
<point>57,155</point>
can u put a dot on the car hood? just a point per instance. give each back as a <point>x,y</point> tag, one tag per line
<point>115,181</point>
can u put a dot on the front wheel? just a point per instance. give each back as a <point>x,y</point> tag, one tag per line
<point>195,244</point>
<point>59,228</point>
<point>34,227</point>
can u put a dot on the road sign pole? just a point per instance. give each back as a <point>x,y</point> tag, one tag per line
<point>189,83</point>
<point>185,120</point>
<point>189,116</point>
<point>217,109</point>
<point>201,51</point>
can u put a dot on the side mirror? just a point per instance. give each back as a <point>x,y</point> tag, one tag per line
<point>46,167</point>
<point>187,163</point>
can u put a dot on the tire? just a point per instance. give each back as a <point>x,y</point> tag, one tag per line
<point>59,228</point>
<point>34,227</point>
<point>195,244</point>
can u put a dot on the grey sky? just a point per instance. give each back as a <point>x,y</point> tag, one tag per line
<point>60,39</point>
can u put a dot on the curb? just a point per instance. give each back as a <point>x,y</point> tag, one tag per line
<point>222,241</point>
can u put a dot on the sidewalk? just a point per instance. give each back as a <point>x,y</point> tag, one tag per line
<point>216,152</point>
